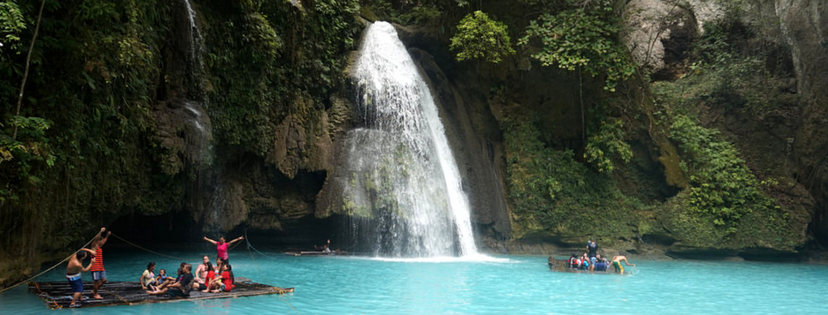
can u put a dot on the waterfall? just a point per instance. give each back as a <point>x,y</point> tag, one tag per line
<point>210,194</point>
<point>195,62</point>
<point>196,102</point>
<point>198,133</point>
<point>403,186</point>
<point>195,35</point>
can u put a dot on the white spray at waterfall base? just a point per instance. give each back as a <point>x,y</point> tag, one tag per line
<point>403,176</point>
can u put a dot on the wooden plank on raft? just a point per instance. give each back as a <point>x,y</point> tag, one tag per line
<point>59,294</point>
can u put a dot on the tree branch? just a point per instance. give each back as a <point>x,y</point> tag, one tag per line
<point>26,71</point>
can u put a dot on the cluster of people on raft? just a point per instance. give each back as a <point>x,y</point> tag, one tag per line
<point>206,278</point>
<point>592,261</point>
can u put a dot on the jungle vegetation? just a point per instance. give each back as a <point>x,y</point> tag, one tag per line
<point>83,148</point>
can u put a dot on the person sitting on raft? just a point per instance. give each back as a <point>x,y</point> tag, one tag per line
<point>227,278</point>
<point>573,261</point>
<point>180,288</point>
<point>147,279</point>
<point>201,271</point>
<point>601,263</point>
<point>325,248</point>
<point>162,277</point>
<point>585,262</point>
<point>616,263</point>
<point>222,246</point>
<point>223,281</point>
<point>209,276</point>
<point>171,280</point>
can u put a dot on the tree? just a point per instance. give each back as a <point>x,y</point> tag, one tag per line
<point>479,37</point>
<point>582,37</point>
<point>11,24</point>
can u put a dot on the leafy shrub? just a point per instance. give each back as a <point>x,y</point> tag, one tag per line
<point>607,144</point>
<point>420,14</point>
<point>553,193</point>
<point>12,23</point>
<point>722,186</point>
<point>479,37</point>
<point>582,37</point>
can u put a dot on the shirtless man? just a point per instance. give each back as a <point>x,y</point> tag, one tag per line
<point>616,263</point>
<point>73,274</point>
<point>201,270</point>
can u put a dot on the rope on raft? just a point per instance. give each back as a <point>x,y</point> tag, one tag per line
<point>147,250</point>
<point>47,270</point>
<point>249,247</point>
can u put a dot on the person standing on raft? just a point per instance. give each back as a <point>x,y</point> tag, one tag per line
<point>73,274</point>
<point>98,271</point>
<point>222,246</point>
<point>592,247</point>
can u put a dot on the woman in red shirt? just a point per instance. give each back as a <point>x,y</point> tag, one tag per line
<point>226,278</point>
<point>211,275</point>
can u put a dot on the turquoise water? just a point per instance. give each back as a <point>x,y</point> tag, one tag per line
<point>500,285</point>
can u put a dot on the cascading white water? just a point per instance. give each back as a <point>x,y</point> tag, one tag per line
<point>403,176</point>
<point>195,33</point>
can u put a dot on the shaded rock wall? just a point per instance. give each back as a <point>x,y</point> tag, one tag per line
<point>659,35</point>
<point>804,26</point>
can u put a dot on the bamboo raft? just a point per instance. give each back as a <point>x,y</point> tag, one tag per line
<point>562,266</point>
<point>58,294</point>
<point>317,253</point>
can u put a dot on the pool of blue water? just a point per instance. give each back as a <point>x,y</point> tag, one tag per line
<point>493,285</point>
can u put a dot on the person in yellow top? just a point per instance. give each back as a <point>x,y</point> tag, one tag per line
<point>616,263</point>
<point>147,279</point>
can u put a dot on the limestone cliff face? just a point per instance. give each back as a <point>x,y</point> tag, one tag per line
<point>659,35</point>
<point>804,26</point>
<point>788,142</point>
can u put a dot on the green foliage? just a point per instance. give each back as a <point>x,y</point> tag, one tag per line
<point>29,149</point>
<point>582,37</point>
<point>420,14</point>
<point>723,188</point>
<point>554,194</point>
<point>726,205</point>
<point>82,144</point>
<point>12,23</point>
<point>607,144</point>
<point>479,37</point>
<point>86,150</point>
<point>267,56</point>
